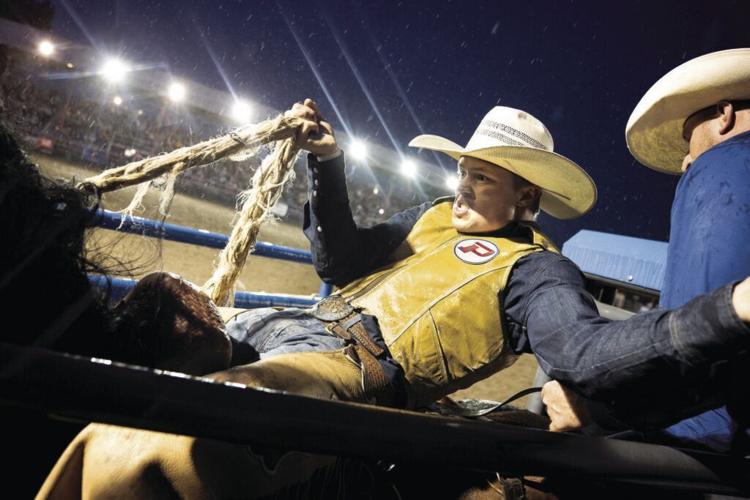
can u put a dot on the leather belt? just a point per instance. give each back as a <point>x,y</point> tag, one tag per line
<point>345,322</point>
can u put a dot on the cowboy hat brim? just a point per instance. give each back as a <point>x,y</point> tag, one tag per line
<point>568,191</point>
<point>654,130</point>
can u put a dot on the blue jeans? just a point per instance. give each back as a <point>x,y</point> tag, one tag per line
<point>272,332</point>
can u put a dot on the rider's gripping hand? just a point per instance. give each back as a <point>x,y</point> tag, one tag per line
<point>315,135</point>
<point>567,410</point>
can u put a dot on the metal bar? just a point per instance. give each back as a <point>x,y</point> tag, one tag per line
<point>325,289</point>
<point>183,234</point>
<point>535,403</point>
<point>249,300</point>
<point>622,284</point>
<point>102,391</point>
<point>119,287</point>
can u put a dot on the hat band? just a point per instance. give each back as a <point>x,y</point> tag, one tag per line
<point>507,134</point>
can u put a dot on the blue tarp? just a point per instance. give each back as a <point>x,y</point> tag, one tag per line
<point>632,261</point>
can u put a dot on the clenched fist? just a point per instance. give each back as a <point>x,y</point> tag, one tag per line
<point>567,410</point>
<point>315,135</point>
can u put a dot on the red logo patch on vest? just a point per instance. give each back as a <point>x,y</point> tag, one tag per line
<point>475,251</point>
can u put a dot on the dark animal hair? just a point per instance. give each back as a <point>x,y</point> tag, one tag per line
<point>43,267</point>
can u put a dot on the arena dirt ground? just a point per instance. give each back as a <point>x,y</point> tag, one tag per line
<point>144,255</point>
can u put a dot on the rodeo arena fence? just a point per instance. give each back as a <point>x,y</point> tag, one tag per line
<point>182,234</point>
<point>109,392</point>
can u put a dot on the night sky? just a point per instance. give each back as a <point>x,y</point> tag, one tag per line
<point>438,67</point>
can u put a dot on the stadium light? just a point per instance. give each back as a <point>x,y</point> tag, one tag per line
<point>114,70</point>
<point>375,190</point>
<point>241,111</point>
<point>408,168</point>
<point>176,92</point>
<point>451,181</point>
<point>358,150</point>
<point>45,48</point>
<point>117,100</point>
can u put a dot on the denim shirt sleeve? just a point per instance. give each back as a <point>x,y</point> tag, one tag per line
<point>341,251</point>
<point>651,369</point>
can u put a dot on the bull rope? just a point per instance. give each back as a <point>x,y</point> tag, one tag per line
<point>179,160</point>
<point>268,182</point>
<point>267,185</point>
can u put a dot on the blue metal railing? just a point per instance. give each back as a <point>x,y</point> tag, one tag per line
<point>183,234</point>
<point>119,287</point>
<point>201,237</point>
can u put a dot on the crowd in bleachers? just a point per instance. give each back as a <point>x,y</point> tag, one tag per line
<point>57,117</point>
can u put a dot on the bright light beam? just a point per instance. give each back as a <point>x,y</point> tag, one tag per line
<point>77,20</point>
<point>409,168</point>
<point>114,70</point>
<point>394,80</point>
<point>215,60</point>
<point>451,182</point>
<point>315,72</point>
<point>176,92</point>
<point>367,93</point>
<point>362,84</point>
<point>358,150</point>
<point>46,48</point>
<point>241,111</point>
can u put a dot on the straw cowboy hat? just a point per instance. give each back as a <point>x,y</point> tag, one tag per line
<point>654,130</point>
<point>518,142</point>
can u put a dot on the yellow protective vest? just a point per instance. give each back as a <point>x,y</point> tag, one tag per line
<point>438,308</point>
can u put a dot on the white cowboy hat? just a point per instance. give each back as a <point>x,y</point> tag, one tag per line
<point>654,130</point>
<point>518,142</point>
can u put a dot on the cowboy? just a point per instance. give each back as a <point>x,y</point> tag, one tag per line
<point>695,121</point>
<point>435,298</point>
<point>474,239</point>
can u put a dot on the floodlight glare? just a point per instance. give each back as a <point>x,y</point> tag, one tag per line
<point>114,70</point>
<point>451,181</point>
<point>408,168</point>
<point>241,111</point>
<point>117,100</point>
<point>176,92</point>
<point>358,150</point>
<point>375,190</point>
<point>46,48</point>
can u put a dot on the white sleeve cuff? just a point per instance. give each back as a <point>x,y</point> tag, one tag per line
<point>330,156</point>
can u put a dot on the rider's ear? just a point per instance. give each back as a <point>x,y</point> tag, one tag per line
<point>528,196</point>
<point>727,117</point>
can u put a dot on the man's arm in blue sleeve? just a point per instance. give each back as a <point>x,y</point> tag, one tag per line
<point>653,368</point>
<point>343,252</point>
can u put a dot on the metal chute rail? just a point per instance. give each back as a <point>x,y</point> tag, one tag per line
<point>104,391</point>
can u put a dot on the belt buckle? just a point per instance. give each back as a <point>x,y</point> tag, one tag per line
<point>331,308</point>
